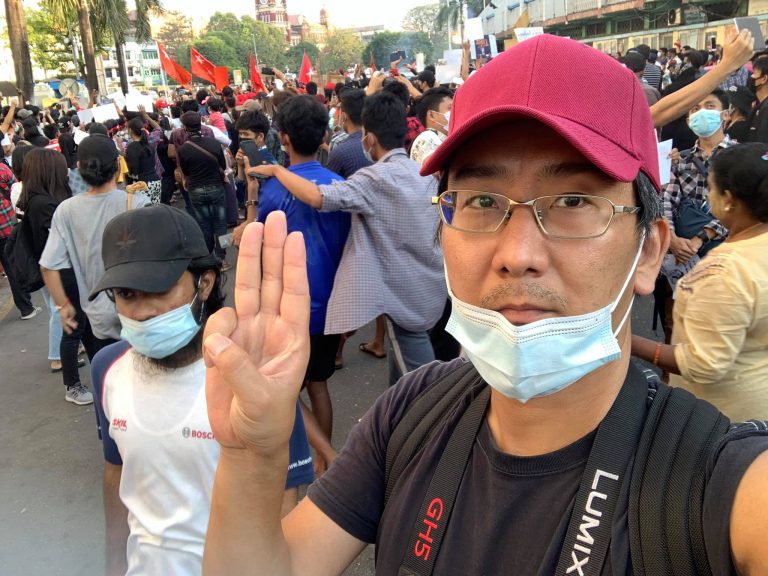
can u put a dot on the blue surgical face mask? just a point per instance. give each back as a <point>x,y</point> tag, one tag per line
<point>163,335</point>
<point>540,358</point>
<point>704,123</point>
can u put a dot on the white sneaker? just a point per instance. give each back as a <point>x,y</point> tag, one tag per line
<point>35,311</point>
<point>79,395</point>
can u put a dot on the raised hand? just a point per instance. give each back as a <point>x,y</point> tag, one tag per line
<point>256,354</point>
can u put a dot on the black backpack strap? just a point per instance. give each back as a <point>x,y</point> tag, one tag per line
<point>435,513</point>
<point>426,411</point>
<point>668,482</point>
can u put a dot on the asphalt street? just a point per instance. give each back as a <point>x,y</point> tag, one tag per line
<point>51,515</point>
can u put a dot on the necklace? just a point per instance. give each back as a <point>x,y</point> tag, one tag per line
<point>747,229</point>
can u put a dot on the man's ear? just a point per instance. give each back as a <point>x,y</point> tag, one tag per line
<point>654,249</point>
<point>284,139</point>
<point>205,286</point>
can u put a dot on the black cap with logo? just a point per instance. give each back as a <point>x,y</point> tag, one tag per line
<point>148,249</point>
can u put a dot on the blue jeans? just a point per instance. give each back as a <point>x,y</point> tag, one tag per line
<point>407,350</point>
<point>210,210</point>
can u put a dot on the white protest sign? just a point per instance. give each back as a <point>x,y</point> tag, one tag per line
<point>135,99</point>
<point>526,33</point>
<point>85,115</point>
<point>665,162</point>
<point>453,57</point>
<point>473,29</point>
<point>118,98</point>
<point>79,136</point>
<point>104,113</point>
<point>445,73</point>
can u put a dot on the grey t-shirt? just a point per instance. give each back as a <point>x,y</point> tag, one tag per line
<point>74,242</point>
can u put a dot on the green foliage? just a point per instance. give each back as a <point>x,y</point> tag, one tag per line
<point>342,49</point>
<point>294,55</point>
<point>384,43</point>
<point>47,41</point>
<point>424,19</point>
<point>176,33</point>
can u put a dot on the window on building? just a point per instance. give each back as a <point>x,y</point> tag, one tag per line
<point>128,55</point>
<point>149,54</point>
<point>108,72</point>
<point>154,71</point>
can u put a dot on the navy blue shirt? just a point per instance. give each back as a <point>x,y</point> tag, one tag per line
<point>325,234</point>
<point>347,156</point>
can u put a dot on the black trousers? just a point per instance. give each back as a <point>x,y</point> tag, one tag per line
<point>21,298</point>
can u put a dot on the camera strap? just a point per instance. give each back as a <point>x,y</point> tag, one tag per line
<point>588,537</point>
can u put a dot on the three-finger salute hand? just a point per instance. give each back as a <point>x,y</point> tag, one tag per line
<point>256,354</point>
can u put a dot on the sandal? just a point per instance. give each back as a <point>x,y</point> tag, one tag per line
<point>364,348</point>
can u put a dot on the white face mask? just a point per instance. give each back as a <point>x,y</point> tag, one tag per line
<point>540,358</point>
<point>447,120</point>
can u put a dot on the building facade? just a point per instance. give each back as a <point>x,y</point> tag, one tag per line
<point>142,62</point>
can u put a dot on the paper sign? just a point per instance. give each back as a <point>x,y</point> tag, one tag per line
<point>453,57</point>
<point>85,115</point>
<point>104,113</point>
<point>79,136</point>
<point>473,29</point>
<point>445,73</point>
<point>665,162</point>
<point>134,99</point>
<point>118,98</point>
<point>484,47</point>
<point>527,33</point>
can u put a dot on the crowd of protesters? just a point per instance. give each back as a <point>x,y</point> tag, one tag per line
<point>130,224</point>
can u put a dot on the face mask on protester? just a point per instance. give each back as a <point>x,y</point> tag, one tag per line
<point>447,116</point>
<point>704,123</point>
<point>540,358</point>
<point>367,152</point>
<point>163,335</point>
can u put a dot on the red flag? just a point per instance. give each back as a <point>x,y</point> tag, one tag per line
<point>201,67</point>
<point>173,69</point>
<point>221,77</point>
<point>372,63</point>
<point>256,81</point>
<point>305,76</point>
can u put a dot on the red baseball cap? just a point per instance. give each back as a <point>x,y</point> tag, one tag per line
<point>586,96</point>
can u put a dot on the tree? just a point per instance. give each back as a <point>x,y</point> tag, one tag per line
<point>451,13</point>
<point>17,37</point>
<point>424,19</point>
<point>384,43</point>
<point>48,41</point>
<point>295,54</point>
<point>176,32</point>
<point>381,45</point>
<point>342,49</point>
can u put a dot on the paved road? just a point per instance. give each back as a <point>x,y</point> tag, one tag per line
<point>51,464</point>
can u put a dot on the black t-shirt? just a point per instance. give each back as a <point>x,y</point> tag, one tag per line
<point>511,513</point>
<point>141,162</point>
<point>69,149</point>
<point>739,131</point>
<point>198,167</point>
<point>758,123</point>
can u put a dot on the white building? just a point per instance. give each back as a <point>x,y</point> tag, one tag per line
<point>142,62</point>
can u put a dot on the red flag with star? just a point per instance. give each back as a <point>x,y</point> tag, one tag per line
<point>256,82</point>
<point>173,69</point>
<point>222,77</point>
<point>201,67</point>
<point>305,76</point>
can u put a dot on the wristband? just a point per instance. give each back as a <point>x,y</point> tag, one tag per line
<point>60,308</point>
<point>657,354</point>
<point>251,203</point>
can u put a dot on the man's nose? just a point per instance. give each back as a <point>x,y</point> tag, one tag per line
<point>521,247</point>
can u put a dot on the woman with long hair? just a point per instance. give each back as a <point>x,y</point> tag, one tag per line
<point>720,335</point>
<point>141,159</point>
<point>44,174</point>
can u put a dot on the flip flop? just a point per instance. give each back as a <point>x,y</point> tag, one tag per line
<point>364,348</point>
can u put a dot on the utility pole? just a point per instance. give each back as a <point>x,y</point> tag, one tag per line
<point>73,45</point>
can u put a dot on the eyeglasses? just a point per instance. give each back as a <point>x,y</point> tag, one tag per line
<point>560,216</point>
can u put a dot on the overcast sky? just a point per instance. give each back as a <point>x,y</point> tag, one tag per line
<point>343,13</point>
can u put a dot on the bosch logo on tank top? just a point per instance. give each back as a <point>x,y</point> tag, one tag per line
<point>187,432</point>
<point>120,424</point>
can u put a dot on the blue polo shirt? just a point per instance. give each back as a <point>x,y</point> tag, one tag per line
<point>325,234</point>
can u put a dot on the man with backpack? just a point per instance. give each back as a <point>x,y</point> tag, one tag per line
<point>548,452</point>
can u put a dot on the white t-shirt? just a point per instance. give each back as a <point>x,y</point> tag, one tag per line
<point>155,424</point>
<point>425,144</point>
